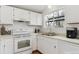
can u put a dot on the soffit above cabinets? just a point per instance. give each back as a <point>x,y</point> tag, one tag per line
<point>35,8</point>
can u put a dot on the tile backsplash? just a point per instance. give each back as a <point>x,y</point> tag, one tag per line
<point>19,26</point>
<point>23,26</point>
<point>8,29</point>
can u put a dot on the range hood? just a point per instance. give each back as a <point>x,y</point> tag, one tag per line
<point>20,20</point>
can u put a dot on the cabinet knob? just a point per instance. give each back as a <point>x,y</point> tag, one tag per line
<point>4,46</point>
<point>54,46</point>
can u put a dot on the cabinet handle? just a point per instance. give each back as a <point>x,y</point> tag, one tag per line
<point>4,46</point>
<point>54,46</point>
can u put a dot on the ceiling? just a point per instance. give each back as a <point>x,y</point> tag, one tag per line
<point>35,8</point>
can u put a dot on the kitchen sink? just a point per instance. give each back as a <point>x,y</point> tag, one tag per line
<point>49,34</point>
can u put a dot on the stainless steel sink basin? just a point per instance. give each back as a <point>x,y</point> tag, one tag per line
<point>49,34</point>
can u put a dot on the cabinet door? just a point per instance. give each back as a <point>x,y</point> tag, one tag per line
<point>45,21</point>
<point>26,15</point>
<point>41,44</point>
<point>68,48</point>
<point>54,7</point>
<point>2,51</point>
<point>51,45</point>
<point>34,45</point>
<point>6,15</point>
<point>34,42</point>
<point>39,19</point>
<point>17,14</point>
<point>47,45</point>
<point>20,14</point>
<point>8,46</point>
<point>33,18</point>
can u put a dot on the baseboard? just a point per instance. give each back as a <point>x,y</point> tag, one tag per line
<point>37,51</point>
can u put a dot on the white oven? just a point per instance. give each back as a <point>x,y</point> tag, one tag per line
<point>22,43</point>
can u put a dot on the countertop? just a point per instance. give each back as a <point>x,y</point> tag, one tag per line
<point>57,37</point>
<point>64,38</point>
<point>5,36</point>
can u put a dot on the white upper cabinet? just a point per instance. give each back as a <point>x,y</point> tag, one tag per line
<point>21,15</point>
<point>32,18</point>
<point>45,21</point>
<point>6,15</point>
<point>39,19</point>
<point>35,18</point>
<point>54,7</point>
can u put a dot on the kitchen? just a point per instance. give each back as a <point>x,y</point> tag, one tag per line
<point>39,29</point>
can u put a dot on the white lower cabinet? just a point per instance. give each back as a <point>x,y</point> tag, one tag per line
<point>56,46</point>
<point>34,45</point>
<point>2,46</point>
<point>34,42</point>
<point>6,46</point>
<point>41,45</point>
<point>68,48</point>
<point>47,45</point>
<point>25,52</point>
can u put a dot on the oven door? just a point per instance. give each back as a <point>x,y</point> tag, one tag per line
<point>22,44</point>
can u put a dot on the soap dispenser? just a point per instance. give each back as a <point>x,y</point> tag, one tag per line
<point>3,30</point>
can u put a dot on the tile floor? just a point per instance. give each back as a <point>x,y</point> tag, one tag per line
<point>36,52</point>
